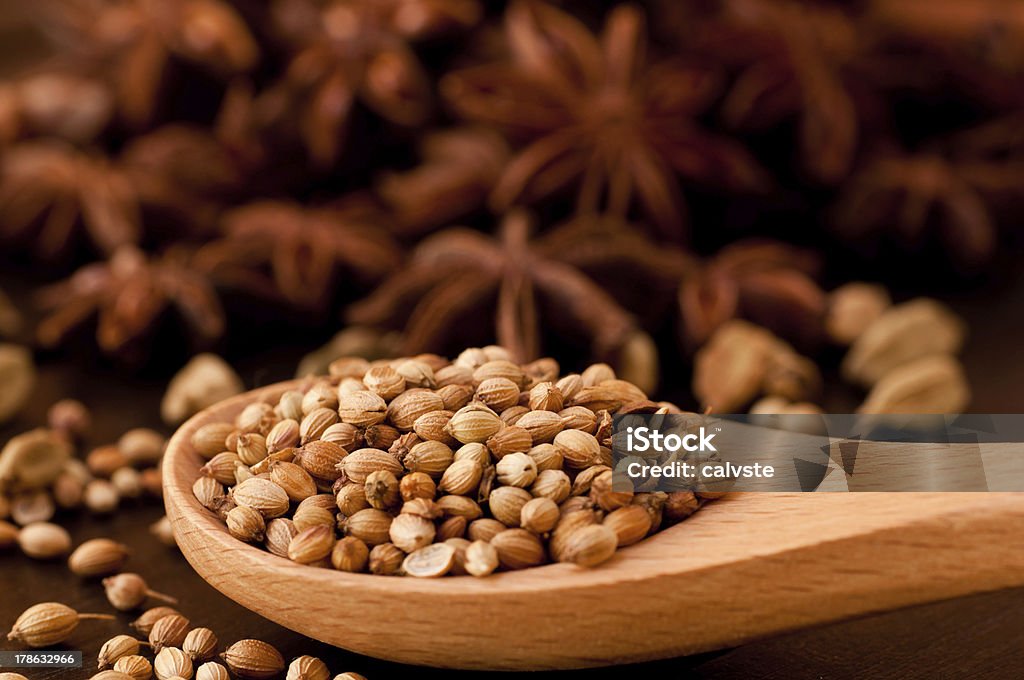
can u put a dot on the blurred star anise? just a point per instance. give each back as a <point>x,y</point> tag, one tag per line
<point>952,192</point>
<point>128,294</point>
<point>183,176</point>
<point>278,248</point>
<point>348,51</point>
<point>460,167</point>
<point>134,41</point>
<point>596,115</point>
<point>48,190</point>
<point>794,60</point>
<point>458,272</point>
<point>55,102</point>
<point>770,283</point>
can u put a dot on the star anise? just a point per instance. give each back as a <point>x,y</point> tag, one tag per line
<point>350,51</point>
<point>952,191</point>
<point>977,43</point>
<point>460,166</point>
<point>278,248</point>
<point>54,102</point>
<point>770,283</point>
<point>797,61</point>
<point>49,190</point>
<point>596,115</point>
<point>458,272</point>
<point>183,176</point>
<point>135,40</point>
<point>128,294</point>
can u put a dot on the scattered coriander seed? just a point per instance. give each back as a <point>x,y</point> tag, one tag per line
<point>200,644</point>
<point>202,382</point>
<point>44,541</point>
<point>253,659</point>
<point>48,623</point>
<point>138,667</point>
<point>98,557</point>
<point>211,670</point>
<point>67,491</point>
<point>128,591</point>
<point>169,631</point>
<point>170,663</point>
<point>115,648</point>
<point>12,676</point>
<point>163,531</point>
<point>70,417</point>
<point>111,675</point>
<point>144,624</point>
<point>127,481</point>
<point>101,497</point>
<point>349,676</point>
<point>308,668</point>
<point>103,460</point>
<point>33,506</point>
<point>142,446</point>
<point>33,460</point>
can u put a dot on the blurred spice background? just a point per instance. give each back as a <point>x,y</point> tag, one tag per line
<point>595,181</point>
<point>589,180</point>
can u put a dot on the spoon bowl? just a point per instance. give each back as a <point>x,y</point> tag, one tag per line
<point>745,566</point>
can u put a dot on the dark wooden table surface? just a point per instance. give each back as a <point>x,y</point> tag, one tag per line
<point>980,636</point>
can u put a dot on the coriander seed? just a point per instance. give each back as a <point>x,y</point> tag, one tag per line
<point>386,559</point>
<point>350,554</point>
<point>481,558</point>
<point>211,670</point>
<point>98,557</point>
<point>115,648</point>
<point>200,644</point>
<point>253,659</point>
<point>144,624</point>
<point>48,624</point>
<point>307,668</point>
<point>128,591</point>
<point>44,541</point>
<point>169,631</point>
<point>135,666</point>
<point>170,663</point>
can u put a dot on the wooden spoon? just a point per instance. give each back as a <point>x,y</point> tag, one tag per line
<point>745,566</point>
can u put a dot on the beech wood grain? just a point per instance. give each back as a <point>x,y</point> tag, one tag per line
<point>744,567</point>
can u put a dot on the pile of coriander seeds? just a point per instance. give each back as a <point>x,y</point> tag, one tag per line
<point>423,466</point>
